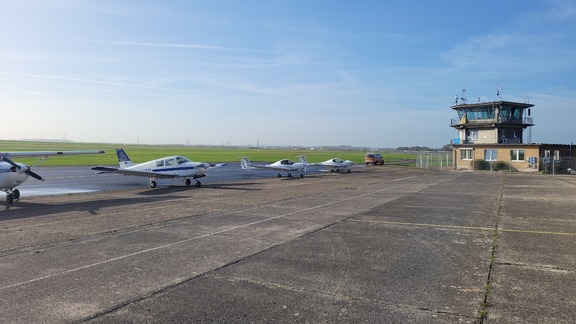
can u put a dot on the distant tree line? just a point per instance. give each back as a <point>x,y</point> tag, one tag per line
<point>447,147</point>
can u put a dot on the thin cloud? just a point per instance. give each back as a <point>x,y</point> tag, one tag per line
<point>171,45</point>
<point>43,76</point>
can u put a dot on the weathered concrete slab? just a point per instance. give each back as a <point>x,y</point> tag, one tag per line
<point>390,244</point>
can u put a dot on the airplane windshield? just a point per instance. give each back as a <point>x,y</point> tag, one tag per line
<point>181,159</point>
<point>287,162</point>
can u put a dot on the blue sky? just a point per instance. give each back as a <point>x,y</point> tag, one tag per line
<point>298,72</point>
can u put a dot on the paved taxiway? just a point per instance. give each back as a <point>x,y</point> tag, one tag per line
<point>80,179</point>
<point>386,244</point>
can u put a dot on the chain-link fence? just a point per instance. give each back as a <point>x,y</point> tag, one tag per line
<point>435,160</point>
<point>558,166</point>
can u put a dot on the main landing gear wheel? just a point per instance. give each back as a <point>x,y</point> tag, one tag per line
<point>188,182</point>
<point>279,175</point>
<point>301,175</point>
<point>198,184</point>
<point>15,193</point>
<point>153,184</point>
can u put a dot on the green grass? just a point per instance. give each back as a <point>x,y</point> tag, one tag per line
<point>143,153</point>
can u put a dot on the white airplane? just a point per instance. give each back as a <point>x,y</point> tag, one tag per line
<point>169,167</point>
<point>13,174</point>
<point>336,165</point>
<point>287,166</point>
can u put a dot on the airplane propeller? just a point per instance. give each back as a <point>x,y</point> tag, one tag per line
<point>19,167</point>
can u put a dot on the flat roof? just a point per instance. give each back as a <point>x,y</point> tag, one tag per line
<point>492,104</point>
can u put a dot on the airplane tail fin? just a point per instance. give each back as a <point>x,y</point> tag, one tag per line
<point>245,163</point>
<point>123,159</point>
<point>303,160</point>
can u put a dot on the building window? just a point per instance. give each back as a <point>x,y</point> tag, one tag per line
<point>472,135</point>
<point>490,155</point>
<point>517,155</point>
<point>466,154</point>
<point>503,133</point>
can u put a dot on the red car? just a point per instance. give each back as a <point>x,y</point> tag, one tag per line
<point>373,158</point>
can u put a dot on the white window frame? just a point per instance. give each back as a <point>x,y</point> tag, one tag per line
<point>515,155</point>
<point>472,135</point>
<point>490,155</point>
<point>466,154</point>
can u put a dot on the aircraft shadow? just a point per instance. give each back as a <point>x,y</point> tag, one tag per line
<point>24,209</point>
<point>220,185</point>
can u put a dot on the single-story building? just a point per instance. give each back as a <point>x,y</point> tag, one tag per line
<point>522,157</point>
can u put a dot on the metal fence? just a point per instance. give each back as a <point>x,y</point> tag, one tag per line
<point>435,160</point>
<point>562,166</point>
<point>444,161</point>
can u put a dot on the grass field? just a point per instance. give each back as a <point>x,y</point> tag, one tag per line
<point>143,153</point>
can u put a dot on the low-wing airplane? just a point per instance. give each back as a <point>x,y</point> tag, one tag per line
<point>287,166</point>
<point>336,165</point>
<point>13,174</point>
<point>169,167</point>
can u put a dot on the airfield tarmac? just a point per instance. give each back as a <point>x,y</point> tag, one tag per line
<point>384,244</point>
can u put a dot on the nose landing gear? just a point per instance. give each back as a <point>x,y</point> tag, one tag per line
<point>11,195</point>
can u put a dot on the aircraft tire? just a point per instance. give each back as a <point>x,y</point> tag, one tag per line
<point>289,175</point>
<point>15,193</point>
<point>279,175</point>
<point>198,184</point>
<point>187,182</point>
<point>9,198</point>
<point>301,175</point>
<point>153,184</point>
<point>349,171</point>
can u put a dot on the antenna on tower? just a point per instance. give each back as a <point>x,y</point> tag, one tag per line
<point>463,98</point>
<point>498,92</point>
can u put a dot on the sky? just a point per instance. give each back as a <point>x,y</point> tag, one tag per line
<point>364,73</point>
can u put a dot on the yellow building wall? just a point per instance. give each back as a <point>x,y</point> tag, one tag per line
<point>503,156</point>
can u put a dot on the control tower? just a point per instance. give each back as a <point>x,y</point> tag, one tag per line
<point>495,122</point>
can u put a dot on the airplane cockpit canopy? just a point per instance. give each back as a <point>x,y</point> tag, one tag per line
<point>337,160</point>
<point>181,159</point>
<point>286,162</point>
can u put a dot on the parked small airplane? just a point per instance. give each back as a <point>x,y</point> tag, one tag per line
<point>287,166</point>
<point>169,167</point>
<point>335,164</point>
<point>13,174</point>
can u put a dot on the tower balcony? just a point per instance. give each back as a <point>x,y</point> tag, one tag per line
<point>526,121</point>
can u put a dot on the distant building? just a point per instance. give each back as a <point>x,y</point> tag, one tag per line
<point>493,132</point>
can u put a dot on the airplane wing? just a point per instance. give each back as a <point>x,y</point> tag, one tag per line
<point>138,173</point>
<point>46,154</point>
<point>270,167</point>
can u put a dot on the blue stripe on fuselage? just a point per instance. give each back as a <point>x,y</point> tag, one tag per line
<point>174,169</point>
